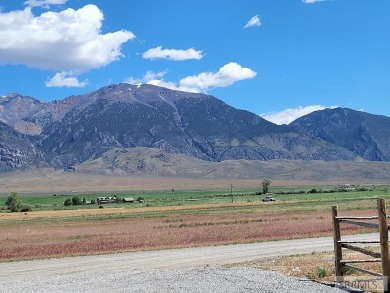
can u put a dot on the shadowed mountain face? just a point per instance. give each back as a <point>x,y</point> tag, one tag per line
<point>15,150</point>
<point>80,128</point>
<point>365,134</point>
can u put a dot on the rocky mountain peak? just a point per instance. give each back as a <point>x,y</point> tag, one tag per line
<point>80,128</point>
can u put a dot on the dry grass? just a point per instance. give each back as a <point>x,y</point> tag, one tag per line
<point>57,181</point>
<point>38,235</point>
<point>320,267</point>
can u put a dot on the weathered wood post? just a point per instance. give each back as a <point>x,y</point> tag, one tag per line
<point>337,246</point>
<point>384,241</point>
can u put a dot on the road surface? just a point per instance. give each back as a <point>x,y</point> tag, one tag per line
<point>28,272</point>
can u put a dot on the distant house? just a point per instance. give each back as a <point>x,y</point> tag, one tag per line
<point>106,199</point>
<point>128,200</point>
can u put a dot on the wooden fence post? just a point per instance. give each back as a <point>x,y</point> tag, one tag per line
<point>337,246</point>
<point>384,240</point>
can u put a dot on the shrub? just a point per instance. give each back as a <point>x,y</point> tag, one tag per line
<point>25,208</point>
<point>310,275</point>
<point>322,272</point>
<point>100,207</point>
<point>362,189</point>
<point>140,199</point>
<point>93,201</point>
<point>347,270</point>
<point>67,202</point>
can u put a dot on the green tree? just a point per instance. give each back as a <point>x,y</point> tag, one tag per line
<point>76,200</point>
<point>13,202</point>
<point>266,183</point>
<point>67,202</point>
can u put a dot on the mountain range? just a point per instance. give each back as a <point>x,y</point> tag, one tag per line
<point>80,129</point>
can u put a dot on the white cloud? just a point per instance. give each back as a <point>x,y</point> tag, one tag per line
<point>172,54</point>
<point>166,84</point>
<point>44,3</point>
<point>154,78</point>
<point>149,76</point>
<point>65,79</point>
<point>254,21</point>
<point>69,40</point>
<point>312,1</point>
<point>203,82</point>
<point>289,115</point>
<point>225,76</point>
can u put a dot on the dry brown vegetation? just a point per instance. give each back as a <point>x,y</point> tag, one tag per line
<point>320,267</point>
<point>57,181</point>
<point>45,234</point>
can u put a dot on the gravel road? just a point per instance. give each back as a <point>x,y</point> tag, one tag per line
<point>198,269</point>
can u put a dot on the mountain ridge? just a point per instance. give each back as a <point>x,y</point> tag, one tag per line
<point>80,128</point>
<point>367,135</point>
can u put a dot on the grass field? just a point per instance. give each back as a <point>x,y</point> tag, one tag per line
<point>293,195</point>
<point>173,218</point>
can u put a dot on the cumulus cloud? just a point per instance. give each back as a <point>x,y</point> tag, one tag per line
<point>225,76</point>
<point>254,21</point>
<point>65,79</point>
<point>44,3</point>
<point>172,54</point>
<point>289,115</point>
<point>203,82</point>
<point>312,1</point>
<point>149,76</point>
<point>65,41</point>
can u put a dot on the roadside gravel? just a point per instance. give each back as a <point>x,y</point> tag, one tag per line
<point>206,279</point>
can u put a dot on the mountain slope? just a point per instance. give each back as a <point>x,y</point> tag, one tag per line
<point>365,134</point>
<point>80,128</point>
<point>151,161</point>
<point>196,125</point>
<point>15,150</point>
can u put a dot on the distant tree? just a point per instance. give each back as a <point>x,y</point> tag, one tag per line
<point>76,200</point>
<point>140,199</point>
<point>84,201</point>
<point>266,183</point>
<point>67,202</point>
<point>13,202</point>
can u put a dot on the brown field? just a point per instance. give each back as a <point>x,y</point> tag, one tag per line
<point>81,232</point>
<point>56,181</point>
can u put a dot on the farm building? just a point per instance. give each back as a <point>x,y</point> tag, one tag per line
<point>106,199</point>
<point>128,200</point>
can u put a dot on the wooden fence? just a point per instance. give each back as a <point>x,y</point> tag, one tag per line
<point>383,241</point>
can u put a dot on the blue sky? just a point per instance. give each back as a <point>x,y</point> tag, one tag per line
<point>276,58</point>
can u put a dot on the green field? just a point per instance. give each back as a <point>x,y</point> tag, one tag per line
<point>297,197</point>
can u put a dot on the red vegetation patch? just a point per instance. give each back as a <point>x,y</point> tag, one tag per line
<point>42,238</point>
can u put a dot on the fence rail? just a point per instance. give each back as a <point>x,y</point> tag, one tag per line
<point>382,256</point>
